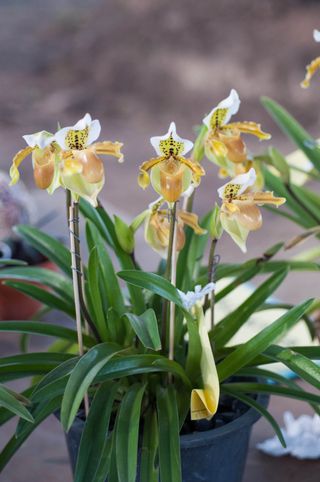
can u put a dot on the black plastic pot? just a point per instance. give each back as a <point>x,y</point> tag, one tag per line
<point>217,455</point>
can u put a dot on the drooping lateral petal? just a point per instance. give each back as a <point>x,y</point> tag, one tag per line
<point>191,220</point>
<point>195,167</point>
<point>109,148</point>
<point>311,69</point>
<point>267,197</point>
<point>248,128</point>
<point>143,178</point>
<point>17,160</point>
<point>204,401</point>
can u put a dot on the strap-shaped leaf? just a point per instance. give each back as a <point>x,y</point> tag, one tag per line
<point>19,366</point>
<point>299,364</point>
<point>293,129</point>
<point>149,470</point>
<point>110,280</point>
<point>239,280</point>
<point>227,327</point>
<point>246,352</point>
<point>81,378</point>
<point>48,246</point>
<point>93,274</point>
<point>15,403</point>
<point>45,297</point>
<point>258,407</point>
<point>46,329</point>
<point>95,433</point>
<point>152,282</point>
<point>272,389</point>
<point>39,413</point>
<point>146,328</point>
<point>46,277</point>
<point>127,433</point>
<point>169,443</point>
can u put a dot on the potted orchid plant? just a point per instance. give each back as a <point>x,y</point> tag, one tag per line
<point>147,384</point>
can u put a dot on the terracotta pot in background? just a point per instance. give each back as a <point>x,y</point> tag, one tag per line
<point>17,306</point>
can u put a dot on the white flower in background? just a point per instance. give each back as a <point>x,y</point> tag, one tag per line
<point>238,185</point>
<point>302,437</point>
<point>79,136</point>
<point>222,113</point>
<point>190,298</point>
<point>316,35</point>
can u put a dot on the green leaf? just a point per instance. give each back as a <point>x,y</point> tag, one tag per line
<point>293,130</point>
<point>246,352</point>
<point>273,389</point>
<point>169,443</point>
<point>19,366</point>
<point>80,379</point>
<point>93,274</point>
<point>46,329</point>
<point>146,328</point>
<point>125,235</point>
<point>152,282</point>
<point>149,471</point>
<point>40,413</point>
<point>45,297</point>
<point>95,433</point>
<point>46,277</point>
<point>127,433</point>
<point>258,407</point>
<point>48,246</point>
<point>299,364</point>
<point>12,262</point>
<point>110,281</point>
<point>280,163</point>
<point>239,280</point>
<point>231,323</point>
<point>13,402</point>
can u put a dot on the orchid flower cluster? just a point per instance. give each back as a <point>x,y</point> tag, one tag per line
<point>70,159</point>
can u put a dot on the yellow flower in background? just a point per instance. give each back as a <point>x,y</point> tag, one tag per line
<point>171,172</point>
<point>239,212</point>
<point>69,158</point>
<point>314,66</point>
<point>157,228</point>
<point>81,169</point>
<point>223,143</point>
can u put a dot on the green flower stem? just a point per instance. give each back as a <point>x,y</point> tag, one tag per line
<point>168,274</point>
<point>211,277</point>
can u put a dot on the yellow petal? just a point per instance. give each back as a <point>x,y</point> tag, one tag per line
<point>196,168</point>
<point>311,69</point>
<point>17,160</point>
<point>204,401</point>
<point>170,179</point>
<point>108,148</point>
<point>215,149</point>
<point>191,219</point>
<point>143,178</point>
<point>248,128</point>
<point>267,197</point>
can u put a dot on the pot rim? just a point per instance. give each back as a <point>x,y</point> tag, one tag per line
<point>247,419</point>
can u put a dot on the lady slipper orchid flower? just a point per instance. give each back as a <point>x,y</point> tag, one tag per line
<point>314,66</point>
<point>239,212</point>
<point>42,147</point>
<point>82,170</point>
<point>171,172</point>
<point>223,143</point>
<point>157,228</point>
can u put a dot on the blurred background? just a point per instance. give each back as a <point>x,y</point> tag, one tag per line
<point>137,65</point>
